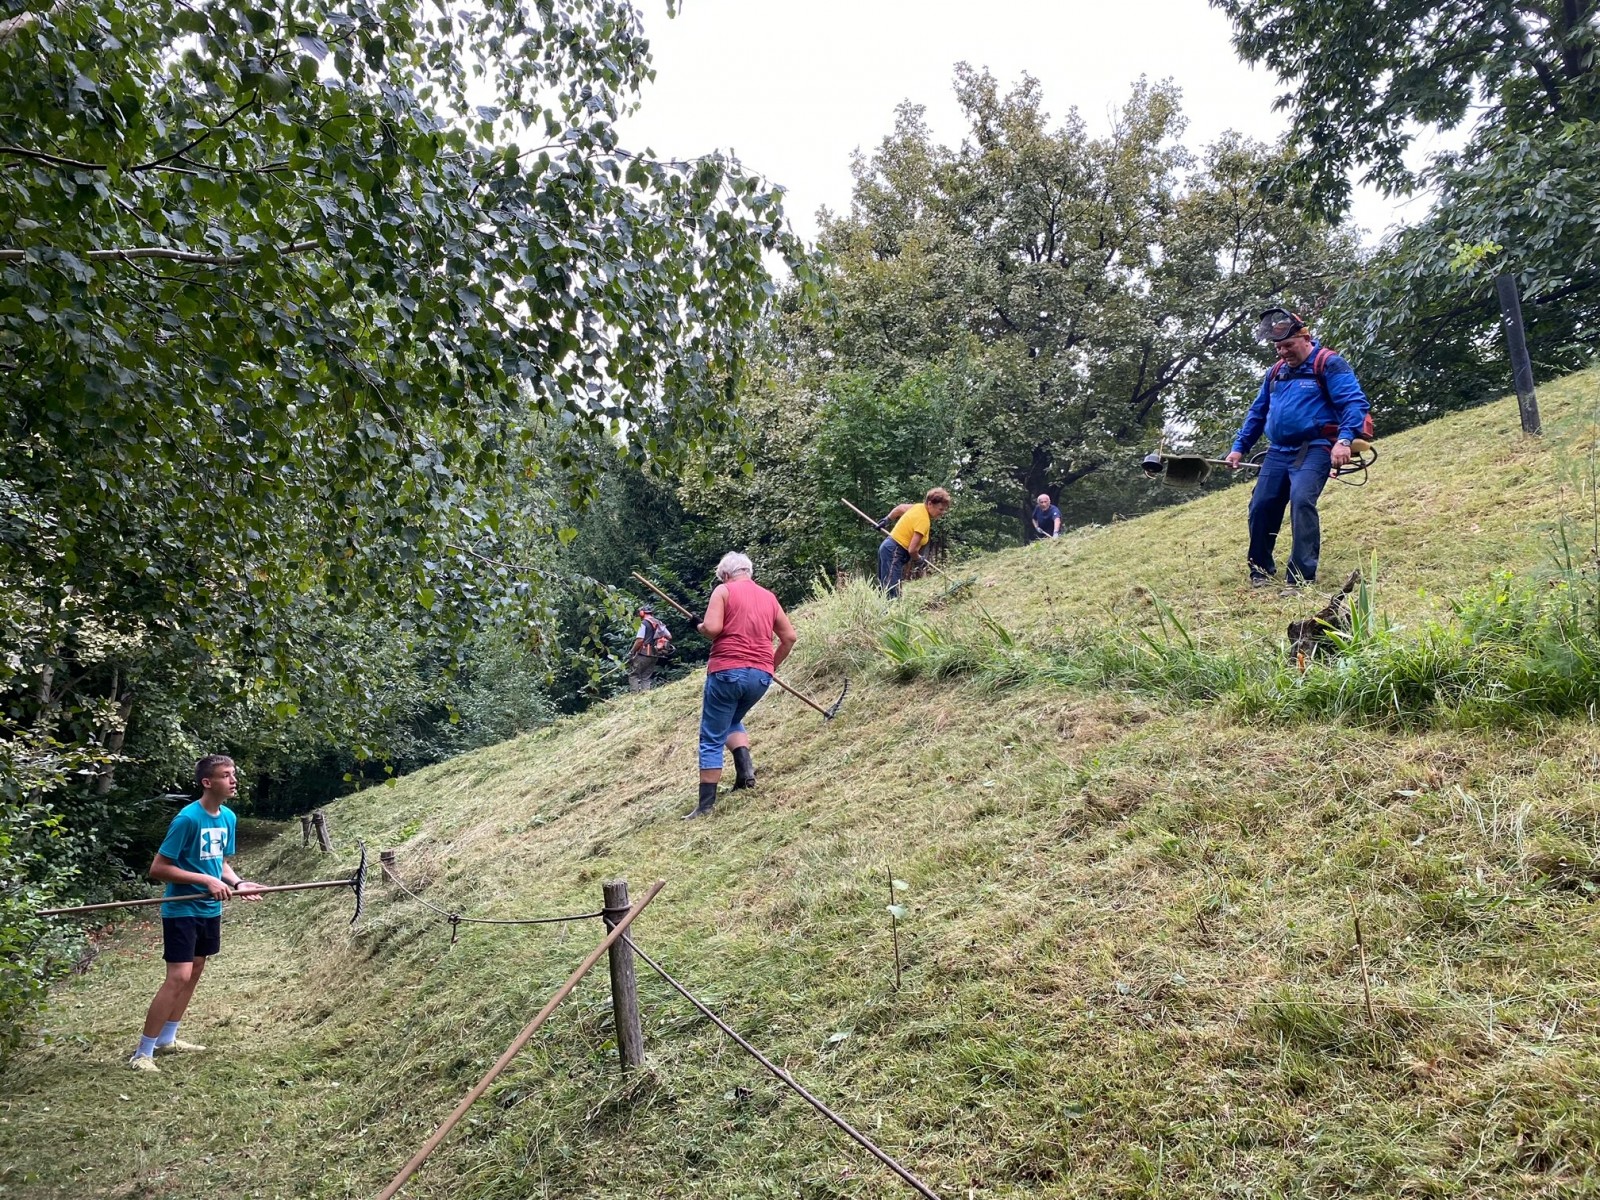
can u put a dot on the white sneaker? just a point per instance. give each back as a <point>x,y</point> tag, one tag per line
<point>178,1046</point>
<point>143,1062</point>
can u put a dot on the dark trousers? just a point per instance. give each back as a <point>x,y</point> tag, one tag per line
<point>641,672</point>
<point>892,560</point>
<point>1291,477</point>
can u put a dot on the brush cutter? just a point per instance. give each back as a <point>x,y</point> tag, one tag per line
<point>356,882</point>
<point>1191,470</point>
<point>956,585</point>
<point>827,713</point>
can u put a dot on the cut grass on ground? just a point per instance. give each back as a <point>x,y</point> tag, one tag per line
<point>1129,961</point>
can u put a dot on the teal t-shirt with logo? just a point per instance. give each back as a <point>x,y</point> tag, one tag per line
<point>197,841</point>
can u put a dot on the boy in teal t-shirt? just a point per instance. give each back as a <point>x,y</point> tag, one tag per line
<point>193,863</point>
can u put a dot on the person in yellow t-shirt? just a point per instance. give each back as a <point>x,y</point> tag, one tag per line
<point>908,537</point>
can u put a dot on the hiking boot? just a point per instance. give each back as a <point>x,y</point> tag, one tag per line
<point>179,1046</point>
<point>1261,581</point>
<point>143,1062</point>
<point>744,770</point>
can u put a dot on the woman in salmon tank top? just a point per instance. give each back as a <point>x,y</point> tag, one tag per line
<point>742,620</point>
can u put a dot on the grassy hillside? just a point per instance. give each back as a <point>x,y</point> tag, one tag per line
<point>1130,967</point>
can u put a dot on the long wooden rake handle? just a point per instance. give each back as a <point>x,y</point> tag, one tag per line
<point>827,714</point>
<point>257,891</point>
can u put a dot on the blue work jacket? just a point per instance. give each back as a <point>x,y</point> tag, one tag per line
<point>1292,409</point>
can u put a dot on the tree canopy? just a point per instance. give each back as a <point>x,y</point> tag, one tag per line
<point>1518,197</point>
<point>1084,289</point>
<point>1365,73</point>
<point>298,304</point>
<point>283,295</point>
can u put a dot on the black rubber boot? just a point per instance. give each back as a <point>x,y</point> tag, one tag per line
<point>708,797</point>
<point>744,771</point>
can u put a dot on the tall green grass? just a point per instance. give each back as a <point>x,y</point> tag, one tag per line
<point>1524,647</point>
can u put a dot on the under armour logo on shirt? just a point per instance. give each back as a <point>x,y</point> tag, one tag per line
<point>213,843</point>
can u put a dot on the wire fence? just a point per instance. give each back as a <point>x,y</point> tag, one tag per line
<point>457,919</point>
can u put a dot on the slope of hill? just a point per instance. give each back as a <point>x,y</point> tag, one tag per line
<point>1129,966</point>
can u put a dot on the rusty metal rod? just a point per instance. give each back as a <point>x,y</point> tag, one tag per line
<point>478,1089</point>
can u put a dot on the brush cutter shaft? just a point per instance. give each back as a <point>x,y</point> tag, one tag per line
<point>257,891</point>
<point>827,713</point>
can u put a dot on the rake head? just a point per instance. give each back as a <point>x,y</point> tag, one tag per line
<point>358,881</point>
<point>833,709</point>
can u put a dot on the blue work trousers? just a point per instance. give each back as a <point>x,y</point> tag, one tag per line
<point>729,695</point>
<point>1291,477</point>
<point>892,560</point>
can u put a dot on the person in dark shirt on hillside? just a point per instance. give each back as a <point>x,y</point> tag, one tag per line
<point>1046,517</point>
<point>193,863</point>
<point>742,619</point>
<point>1312,408</point>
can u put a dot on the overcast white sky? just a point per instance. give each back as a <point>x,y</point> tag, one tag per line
<point>794,86</point>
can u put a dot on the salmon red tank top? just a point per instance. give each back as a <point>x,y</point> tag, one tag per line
<point>749,614</point>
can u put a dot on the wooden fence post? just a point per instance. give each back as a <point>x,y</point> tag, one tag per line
<point>624,985</point>
<point>1505,287</point>
<point>386,860</point>
<point>319,822</point>
<point>305,829</point>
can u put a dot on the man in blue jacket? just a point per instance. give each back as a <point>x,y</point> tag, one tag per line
<point>1312,409</point>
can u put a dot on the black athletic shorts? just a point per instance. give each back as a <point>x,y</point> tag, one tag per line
<point>184,939</point>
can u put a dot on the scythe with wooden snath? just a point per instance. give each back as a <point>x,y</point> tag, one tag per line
<point>356,882</point>
<point>827,713</point>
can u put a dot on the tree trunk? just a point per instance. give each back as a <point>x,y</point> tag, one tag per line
<point>112,741</point>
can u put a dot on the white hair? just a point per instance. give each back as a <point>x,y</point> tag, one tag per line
<point>733,563</point>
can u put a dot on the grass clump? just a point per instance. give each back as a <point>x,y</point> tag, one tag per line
<point>1522,648</point>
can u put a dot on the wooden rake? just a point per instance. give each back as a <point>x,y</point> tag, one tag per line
<point>827,713</point>
<point>356,882</point>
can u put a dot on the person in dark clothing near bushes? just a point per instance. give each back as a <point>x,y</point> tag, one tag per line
<point>742,619</point>
<point>1311,408</point>
<point>652,646</point>
<point>1046,517</point>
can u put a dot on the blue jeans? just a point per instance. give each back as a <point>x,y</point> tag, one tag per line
<point>729,695</point>
<point>892,560</point>
<point>1291,477</point>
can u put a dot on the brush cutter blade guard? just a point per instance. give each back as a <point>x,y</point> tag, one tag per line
<point>1177,470</point>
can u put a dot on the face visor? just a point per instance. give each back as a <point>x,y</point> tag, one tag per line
<point>1277,324</point>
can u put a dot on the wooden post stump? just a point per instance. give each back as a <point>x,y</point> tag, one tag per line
<point>1505,287</point>
<point>305,829</point>
<point>624,984</point>
<point>386,860</point>
<point>319,822</point>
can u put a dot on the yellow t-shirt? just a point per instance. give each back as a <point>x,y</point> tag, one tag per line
<point>914,520</point>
